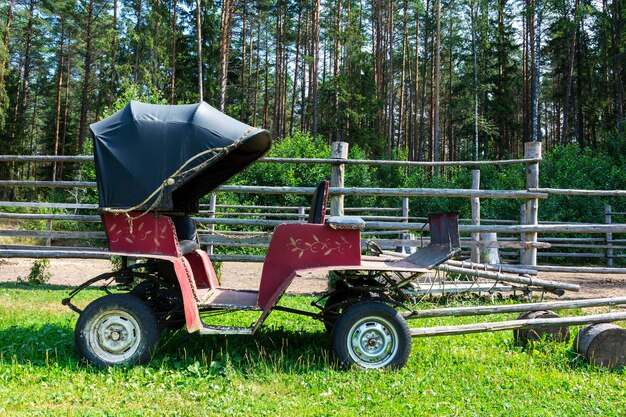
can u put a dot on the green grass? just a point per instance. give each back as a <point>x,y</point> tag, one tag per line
<point>286,370</point>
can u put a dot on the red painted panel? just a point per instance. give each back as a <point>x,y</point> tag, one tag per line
<point>141,233</point>
<point>300,246</point>
<point>144,234</point>
<point>192,315</point>
<point>203,272</point>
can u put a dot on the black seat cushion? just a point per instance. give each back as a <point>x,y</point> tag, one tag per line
<point>188,246</point>
<point>186,233</point>
<point>185,228</point>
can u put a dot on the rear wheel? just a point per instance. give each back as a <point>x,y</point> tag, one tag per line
<point>371,335</point>
<point>117,329</point>
<point>337,303</point>
<point>165,301</point>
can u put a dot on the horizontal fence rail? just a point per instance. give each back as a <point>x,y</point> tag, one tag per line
<point>342,161</point>
<point>393,228</point>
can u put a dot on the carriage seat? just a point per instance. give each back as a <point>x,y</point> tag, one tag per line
<point>186,233</point>
<point>317,213</point>
<point>346,222</point>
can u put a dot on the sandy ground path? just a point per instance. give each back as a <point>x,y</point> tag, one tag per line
<point>244,275</point>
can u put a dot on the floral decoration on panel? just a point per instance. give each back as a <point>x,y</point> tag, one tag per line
<point>143,233</point>
<point>325,247</point>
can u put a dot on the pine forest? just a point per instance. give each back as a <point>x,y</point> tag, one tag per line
<point>424,80</point>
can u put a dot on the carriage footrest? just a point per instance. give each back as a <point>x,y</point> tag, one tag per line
<point>220,299</point>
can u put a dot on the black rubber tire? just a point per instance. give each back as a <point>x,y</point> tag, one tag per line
<point>143,290</point>
<point>336,298</point>
<point>109,320</point>
<point>382,320</point>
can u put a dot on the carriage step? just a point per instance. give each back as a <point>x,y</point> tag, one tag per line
<point>208,330</point>
<point>231,300</point>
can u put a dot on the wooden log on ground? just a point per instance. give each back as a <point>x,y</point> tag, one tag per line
<point>603,344</point>
<point>526,336</point>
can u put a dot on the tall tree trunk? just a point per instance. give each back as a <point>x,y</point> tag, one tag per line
<point>303,85</point>
<point>57,125</point>
<point>473,30</point>
<point>390,96</point>
<point>416,89</point>
<point>337,47</point>
<point>570,73</point>
<point>266,93</point>
<point>257,72</point>
<point>66,106</point>
<point>138,36</point>
<point>20,125</point>
<point>199,46</point>
<point>244,51</point>
<point>402,131</point>
<point>4,55</point>
<point>111,92</point>
<point>82,125</point>
<point>420,150</point>
<point>277,74</point>
<point>316,54</point>
<point>525,72</point>
<point>617,47</point>
<point>536,133</point>
<point>436,88</point>
<point>225,34</point>
<point>580,133</point>
<point>294,92</point>
<point>173,63</point>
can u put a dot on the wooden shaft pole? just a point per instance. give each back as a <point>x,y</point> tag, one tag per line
<point>515,324</point>
<point>510,278</point>
<point>514,308</point>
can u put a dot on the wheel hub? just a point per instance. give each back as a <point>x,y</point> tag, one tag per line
<point>372,342</point>
<point>115,335</point>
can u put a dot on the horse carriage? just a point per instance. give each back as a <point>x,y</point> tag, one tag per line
<point>153,164</point>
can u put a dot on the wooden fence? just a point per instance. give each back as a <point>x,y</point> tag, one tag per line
<point>390,227</point>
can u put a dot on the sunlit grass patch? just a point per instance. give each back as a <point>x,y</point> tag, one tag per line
<point>286,369</point>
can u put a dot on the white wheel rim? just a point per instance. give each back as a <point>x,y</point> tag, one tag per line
<point>114,336</point>
<point>372,342</point>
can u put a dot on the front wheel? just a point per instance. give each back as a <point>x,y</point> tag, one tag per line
<point>371,335</point>
<point>117,329</point>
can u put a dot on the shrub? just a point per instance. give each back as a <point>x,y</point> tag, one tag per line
<point>39,273</point>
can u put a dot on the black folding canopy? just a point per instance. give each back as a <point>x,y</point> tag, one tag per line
<point>159,157</point>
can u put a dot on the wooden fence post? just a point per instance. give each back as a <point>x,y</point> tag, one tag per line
<point>522,236</point>
<point>532,150</point>
<point>609,237</point>
<point>408,247</point>
<point>339,151</point>
<point>211,227</point>
<point>405,209</point>
<point>49,227</point>
<point>475,202</point>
